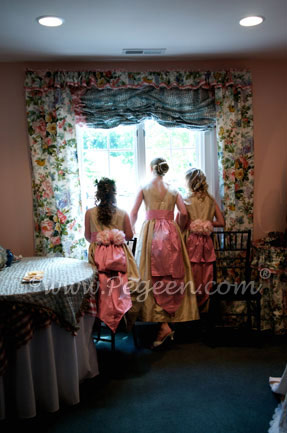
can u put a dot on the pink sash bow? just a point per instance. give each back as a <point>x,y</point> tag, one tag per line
<point>167,267</point>
<point>114,300</point>
<point>159,214</point>
<point>200,248</point>
<point>201,255</point>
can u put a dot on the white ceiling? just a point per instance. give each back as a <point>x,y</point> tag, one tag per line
<point>101,29</point>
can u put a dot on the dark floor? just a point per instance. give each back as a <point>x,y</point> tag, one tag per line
<point>186,386</point>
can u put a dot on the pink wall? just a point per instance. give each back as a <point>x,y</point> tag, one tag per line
<point>270,135</point>
<point>16,222</point>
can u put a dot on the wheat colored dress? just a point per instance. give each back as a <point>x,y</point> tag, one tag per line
<point>116,266</point>
<point>161,255</point>
<point>200,247</point>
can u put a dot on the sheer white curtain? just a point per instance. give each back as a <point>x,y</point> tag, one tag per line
<point>209,162</point>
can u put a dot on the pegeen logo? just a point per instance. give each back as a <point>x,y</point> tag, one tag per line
<point>141,289</point>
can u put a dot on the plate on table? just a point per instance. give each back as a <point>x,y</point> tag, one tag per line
<point>33,276</point>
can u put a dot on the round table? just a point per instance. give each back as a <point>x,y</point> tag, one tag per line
<point>46,346</point>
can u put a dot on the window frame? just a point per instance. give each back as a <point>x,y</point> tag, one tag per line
<point>204,139</point>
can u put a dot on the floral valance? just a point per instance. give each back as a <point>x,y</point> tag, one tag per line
<point>116,79</point>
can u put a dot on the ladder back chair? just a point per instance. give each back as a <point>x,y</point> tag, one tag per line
<point>132,244</point>
<point>232,276</point>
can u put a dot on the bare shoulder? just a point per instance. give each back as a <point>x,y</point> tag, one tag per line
<point>91,210</point>
<point>121,212</point>
<point>187,199</point>
<point>172,190</point>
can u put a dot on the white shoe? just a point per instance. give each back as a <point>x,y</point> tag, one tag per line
<point>158,343</point>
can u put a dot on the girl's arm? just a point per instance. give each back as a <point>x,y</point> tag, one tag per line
<point>219,218</point>
<point>127,228</point>
<point>87,226</point>
<point>135,209</point>
<point>182,216</point>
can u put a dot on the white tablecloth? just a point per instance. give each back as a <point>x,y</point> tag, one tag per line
<point>279,420</point>
<point>48,370</point>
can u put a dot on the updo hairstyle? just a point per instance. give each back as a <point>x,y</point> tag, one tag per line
<point>196,181</point>
<point>159,166</point>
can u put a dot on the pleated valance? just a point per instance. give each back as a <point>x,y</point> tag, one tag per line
<point>173,107</point>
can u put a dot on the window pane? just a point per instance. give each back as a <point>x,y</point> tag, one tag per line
<point>122,137</point>
<point>181,137</point>
<point>179,146</point>
<point>94,139</point>
<point>112,153</point>
<point>114,162</point>
<point>95,165</point>
<point>184,160</point>
<point>122,169</point>
<point>158,136</point>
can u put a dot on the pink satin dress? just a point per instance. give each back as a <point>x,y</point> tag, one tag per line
<point>116,268</point>
<point>163,262</point>
<point>167,267</point>
<point>200,247</point>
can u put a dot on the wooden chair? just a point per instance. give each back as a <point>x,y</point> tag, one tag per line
<point>132,244</point>
<point>232,276</point>
<point>99,325</point>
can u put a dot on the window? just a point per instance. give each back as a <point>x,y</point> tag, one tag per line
<point>124,154</point>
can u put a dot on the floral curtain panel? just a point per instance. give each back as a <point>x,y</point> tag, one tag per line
<point>234,125</point>
<point>56,185</point>
<point>54,103</point>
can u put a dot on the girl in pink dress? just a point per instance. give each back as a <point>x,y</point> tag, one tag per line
<point>203,215</point>
<point>106,228</point>
<point>168,294</point>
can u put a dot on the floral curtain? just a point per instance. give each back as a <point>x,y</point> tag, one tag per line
<point>54,103</point>
<point>56,185</point>
<point>234,125</point>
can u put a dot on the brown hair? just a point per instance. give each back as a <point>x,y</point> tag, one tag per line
<point>159,166</point>
<point>106,199</point>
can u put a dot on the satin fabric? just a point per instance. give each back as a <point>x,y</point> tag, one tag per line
<point>167,266</point>
<point>200,249</point>
<point>160,214</point>
<point>203,276</point>
<point>114,299</point>
<point>201,255</point>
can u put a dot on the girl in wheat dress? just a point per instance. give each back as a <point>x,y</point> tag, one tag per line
<point>203,215</point>
<point>162,257</point>
<point>106,228</point>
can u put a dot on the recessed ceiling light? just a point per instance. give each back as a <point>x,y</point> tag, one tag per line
<point>50,21</point>
<point>251,21</point>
